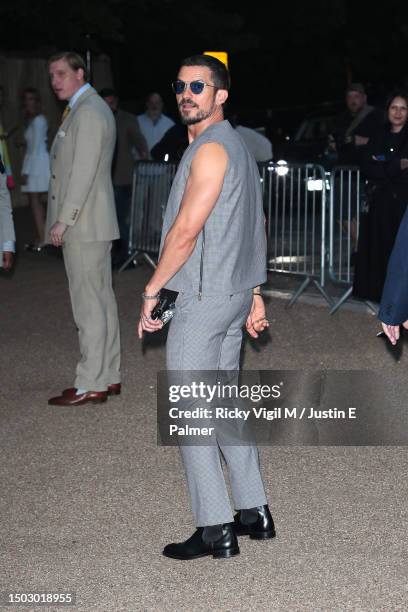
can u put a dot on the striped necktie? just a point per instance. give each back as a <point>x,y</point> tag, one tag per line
<point>66,112</point>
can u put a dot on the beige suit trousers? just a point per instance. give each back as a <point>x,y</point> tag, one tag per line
<point>88,267</point>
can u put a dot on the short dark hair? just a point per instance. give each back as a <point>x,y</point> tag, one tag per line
<point>108,92</point>
<point>219,72</point>
<point>74,61</point>
<point>356,87</point>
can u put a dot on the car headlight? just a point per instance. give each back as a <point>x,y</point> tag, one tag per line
<point>281,167</point>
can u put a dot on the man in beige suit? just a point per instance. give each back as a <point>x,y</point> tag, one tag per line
<point>81,218</point>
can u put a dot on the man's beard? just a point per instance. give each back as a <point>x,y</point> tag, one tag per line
<point>200,116</point>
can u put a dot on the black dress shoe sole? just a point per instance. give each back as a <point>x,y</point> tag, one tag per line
<point>218,554</point>
<point>262,535</point>
<point>110,393</point>
<point>257,535</point>
<point>226,554</point>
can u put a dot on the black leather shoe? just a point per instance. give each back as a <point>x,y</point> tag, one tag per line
<point>255,522</point>
<point>195,547</point>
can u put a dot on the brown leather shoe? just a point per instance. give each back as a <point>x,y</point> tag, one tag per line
<point>93,397</point>
<point>114,389</point>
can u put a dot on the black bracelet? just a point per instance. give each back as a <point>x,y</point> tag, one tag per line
<point>260,294</point>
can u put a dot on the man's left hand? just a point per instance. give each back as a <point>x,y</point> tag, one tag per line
<point>56,233</point>
<point>146,323</point>
<point>257,321</point>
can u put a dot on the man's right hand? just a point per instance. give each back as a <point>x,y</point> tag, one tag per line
<point>146,323</point>
<point>257,321</point>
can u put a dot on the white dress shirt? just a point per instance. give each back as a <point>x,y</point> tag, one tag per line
<point>77,94</point>
<point>153,131</point>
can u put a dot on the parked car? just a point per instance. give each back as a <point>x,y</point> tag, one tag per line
<point>309,144</point>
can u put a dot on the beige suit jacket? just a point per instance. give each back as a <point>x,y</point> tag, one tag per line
<point>81,192</point>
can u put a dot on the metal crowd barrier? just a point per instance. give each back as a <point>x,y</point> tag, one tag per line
<point>294,204</point>
<point>150,191</point>
<point>347,198</point>
<point>296,201</point>
<point>295,208</point>
<point>345,191</point>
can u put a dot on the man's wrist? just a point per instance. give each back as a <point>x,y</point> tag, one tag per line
<point>147,296</point>
<point>151,292</point>
<point>65,221</point>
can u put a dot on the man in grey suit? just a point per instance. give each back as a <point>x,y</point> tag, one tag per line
<point>81,219</point>
<point>7,235</point>
<point>213,253</point>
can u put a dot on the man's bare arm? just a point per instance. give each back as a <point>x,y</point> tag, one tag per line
<point>202,191</point>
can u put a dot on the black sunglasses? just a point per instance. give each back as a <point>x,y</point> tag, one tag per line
<point>196,87</point>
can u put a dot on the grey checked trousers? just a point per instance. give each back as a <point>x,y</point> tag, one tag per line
<point>206,334</point>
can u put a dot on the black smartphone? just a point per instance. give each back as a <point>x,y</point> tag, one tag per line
<point>164,309</point>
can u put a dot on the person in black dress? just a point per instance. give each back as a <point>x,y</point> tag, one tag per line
<point>385,165</point>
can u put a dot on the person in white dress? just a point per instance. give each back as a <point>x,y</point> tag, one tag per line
<point>36,165</point>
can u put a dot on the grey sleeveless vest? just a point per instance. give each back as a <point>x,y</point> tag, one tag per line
<point>235,240</point>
